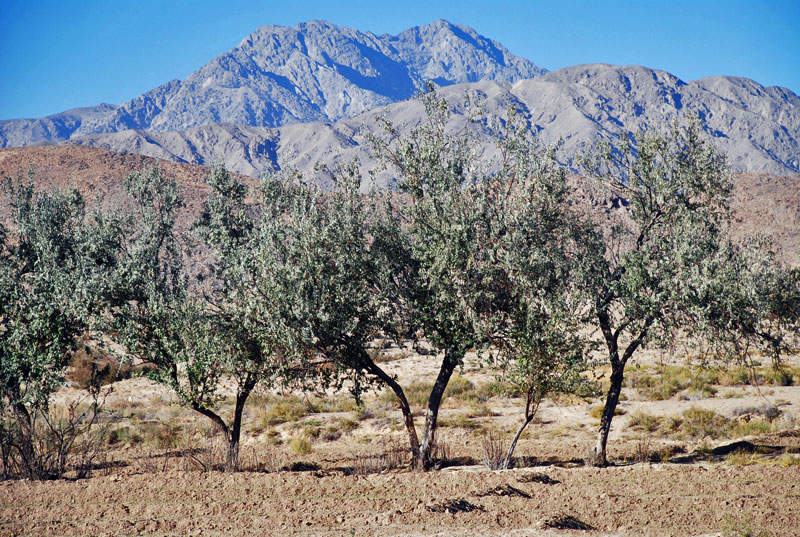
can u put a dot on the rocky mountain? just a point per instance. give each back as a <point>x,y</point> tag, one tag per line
<point>292,96</point>
<point>757,127</point>
<point>277,76</point>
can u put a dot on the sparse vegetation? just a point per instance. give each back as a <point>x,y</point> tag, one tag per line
<point>300,445</point>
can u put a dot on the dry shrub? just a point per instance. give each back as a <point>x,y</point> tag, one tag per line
<point>212,457</point>
<point>596,411</point>
<point>300,445</point>
<point>262,460</point>
<point>391,454</point>
<point>645,421</point>
<point>288,410</point>
<point>459,420</point>
<point>48,443</point>
<point>642,453</point>
<point>493,451</point>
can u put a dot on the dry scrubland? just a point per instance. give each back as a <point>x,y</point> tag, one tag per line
<point>325,466</point>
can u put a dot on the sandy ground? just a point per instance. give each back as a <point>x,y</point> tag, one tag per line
<point>147,490</point>
<point>642,499</point>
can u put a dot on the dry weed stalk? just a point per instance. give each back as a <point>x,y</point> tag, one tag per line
<point>494,452</point>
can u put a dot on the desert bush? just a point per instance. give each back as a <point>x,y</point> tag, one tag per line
<point>389,455</point>
<point>126,435</point>
<point>788,459</point>
<point>700,423</point>
<point>56,440</point>
<point>644,421</point>
<point>665,382</point>
<point>458,419</point>
<point>596,412</point>
<point>300,445</point>
<point>285,411</point>
<point>418,392</point>
<point>347,425</point>
<point>461,389</point>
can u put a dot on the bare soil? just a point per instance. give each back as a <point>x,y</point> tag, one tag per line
<point>686,487</point>
<point>639,499</point>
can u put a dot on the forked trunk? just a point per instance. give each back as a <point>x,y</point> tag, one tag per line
<point>405,408</point>
<point>232,433</point>
<point>428,445</point>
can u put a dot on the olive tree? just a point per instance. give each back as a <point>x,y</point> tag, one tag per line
<point>474,237</point>
<point>185,326</point>
<point>751,302</point>
<point>307,274</point>
<point>645,281</point>
<point>536,245</point>
<point>53,269</point>
<point>544,355</point>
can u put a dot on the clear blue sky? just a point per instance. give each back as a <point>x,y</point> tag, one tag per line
<point>56,55</point>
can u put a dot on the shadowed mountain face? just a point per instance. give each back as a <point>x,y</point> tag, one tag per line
<point>277,75</point>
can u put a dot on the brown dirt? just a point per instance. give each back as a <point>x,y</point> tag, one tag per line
<point>642,499</point>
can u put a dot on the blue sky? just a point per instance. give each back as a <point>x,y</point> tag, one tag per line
<point>56,55</point>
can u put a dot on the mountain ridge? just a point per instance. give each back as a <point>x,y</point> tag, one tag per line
<point>577,107</point>
<point>253,106</point>
<point>314,71</point>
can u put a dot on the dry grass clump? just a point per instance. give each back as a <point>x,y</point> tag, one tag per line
<point>300,445</point>
<point>596,412</point>
<point>661,383</point>
<point>285,411</point>
<point>458,420</point>
<point>665,382</point>
<point>701,423</point>
<point>459,390</point>
<point>494,447</point>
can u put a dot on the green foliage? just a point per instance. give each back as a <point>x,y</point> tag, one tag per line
<point>52,275</point>
<point>479,247</point>
<point>195,335</point>
<point>650,277</point>
<point>752,303</point>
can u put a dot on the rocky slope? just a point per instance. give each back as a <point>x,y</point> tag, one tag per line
<point>277,75</point>
<point>757,128</point>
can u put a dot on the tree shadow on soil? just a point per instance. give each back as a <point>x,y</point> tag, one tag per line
<point>719,453</point>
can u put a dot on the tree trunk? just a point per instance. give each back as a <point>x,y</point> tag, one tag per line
<point>597,456</point>
<point>24,441</point>
<point>451,359</point>
<point>405,408</point>
<point>530,412</point>
<point>232,452</point>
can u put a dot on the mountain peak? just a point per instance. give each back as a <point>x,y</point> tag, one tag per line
<point>315,71</point>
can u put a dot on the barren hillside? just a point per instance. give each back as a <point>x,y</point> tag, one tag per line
<point>762,203</point>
